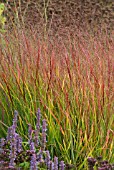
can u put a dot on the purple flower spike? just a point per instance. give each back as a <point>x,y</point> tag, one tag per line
<point>12,164</point>
<point>37,127</point>
<point>15,119</point>
<point>55,163</point>
<point>62,165</point>
<point>9,135</point>
<point>29,133</point>
<point>47,160</point>
<point>44,126</point>
<point>19,144</point>
<point>13,146</point>
<point>38,119</point>
<point>32,147</point>
<point>39,156</point>
<point>44,135</point>
<point>52,165</point>
<point>33,162</point>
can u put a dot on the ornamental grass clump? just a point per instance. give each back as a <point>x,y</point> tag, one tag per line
<point>13,156</point>
<point>71,80</point>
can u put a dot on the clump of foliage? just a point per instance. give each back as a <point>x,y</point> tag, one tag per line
<point>13,156</point>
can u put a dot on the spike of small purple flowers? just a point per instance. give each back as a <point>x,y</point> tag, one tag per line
<point>13,140</point>
<point>44,135</point>
<point>52,165</point>
<point>33,162</point>
<point>37,128</point>
<point>32,147</point>
<point>15,119</point>
<point>12,164</point>
<point>13,147</point>
<point>9,135</point>
<point>19,143</point>
<point>29,133</point>
<point>55,163</point>
<point>38,119</point>
<point>62,165</point>
<point>39,156</point>
<point>47,160</point>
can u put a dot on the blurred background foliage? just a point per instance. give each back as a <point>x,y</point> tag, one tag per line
<point>54,15</point>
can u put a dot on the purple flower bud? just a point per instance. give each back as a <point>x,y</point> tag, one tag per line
<point>55,163</point>
<point>62,165</point>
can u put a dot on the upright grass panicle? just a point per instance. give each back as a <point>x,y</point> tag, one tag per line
<point>72,81</point>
